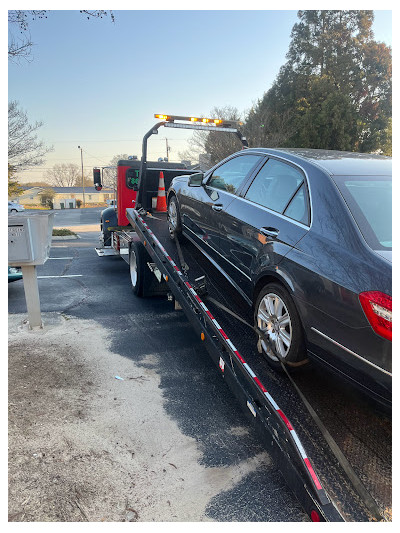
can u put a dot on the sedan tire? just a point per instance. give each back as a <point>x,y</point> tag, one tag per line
<point>276,316</point>
<point>174,219</point>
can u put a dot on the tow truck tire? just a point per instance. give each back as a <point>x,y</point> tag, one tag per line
<point>106,233</point>
<point>174,219</point>
<point>276,315</point>
<point>140,273</point>
<point>108,219</point>
<point>106,236</point>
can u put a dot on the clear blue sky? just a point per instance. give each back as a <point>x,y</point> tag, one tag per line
<point>97,84</point>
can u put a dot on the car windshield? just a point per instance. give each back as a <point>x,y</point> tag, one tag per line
<point>370,201</point>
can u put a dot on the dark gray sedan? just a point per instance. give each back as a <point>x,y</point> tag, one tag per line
<point>305,237</point>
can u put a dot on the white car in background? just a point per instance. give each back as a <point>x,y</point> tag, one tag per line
<point>14,207</point>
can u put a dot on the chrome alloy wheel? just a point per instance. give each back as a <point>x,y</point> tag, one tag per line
<point>172,216</point>
<point>133,268</point>
<point>273,320</point>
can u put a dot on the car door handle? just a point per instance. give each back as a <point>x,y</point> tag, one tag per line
<point>269,232</point>
<point>217,207</point>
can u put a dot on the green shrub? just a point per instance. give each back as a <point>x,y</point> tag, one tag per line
<point>62,232</point>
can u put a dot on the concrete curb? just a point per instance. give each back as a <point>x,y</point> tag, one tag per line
<point>64,237</point>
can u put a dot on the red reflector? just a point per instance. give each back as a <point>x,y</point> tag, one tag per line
<point>378,310</point>
<point>315,516</point>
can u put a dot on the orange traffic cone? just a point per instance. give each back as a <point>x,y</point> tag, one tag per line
<point>161,198</point>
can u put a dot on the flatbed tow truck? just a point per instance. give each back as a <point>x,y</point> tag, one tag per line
<point>332,447</point>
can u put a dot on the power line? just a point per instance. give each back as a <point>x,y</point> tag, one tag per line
<point>90,167</point>
<point>118,140</point>
<point>95,157</point>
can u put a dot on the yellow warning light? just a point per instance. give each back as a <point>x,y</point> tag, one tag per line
<point>204,120</point>
<point>202,336</point>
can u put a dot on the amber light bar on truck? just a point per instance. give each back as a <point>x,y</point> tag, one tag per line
<point>200,120</point>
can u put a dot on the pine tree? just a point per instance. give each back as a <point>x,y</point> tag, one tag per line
<point>335,87</point>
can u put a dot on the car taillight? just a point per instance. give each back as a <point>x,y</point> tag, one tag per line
<point>378,310</point>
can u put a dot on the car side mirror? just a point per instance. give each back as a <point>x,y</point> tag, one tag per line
<point>195,180</point>
<point>97,179</point>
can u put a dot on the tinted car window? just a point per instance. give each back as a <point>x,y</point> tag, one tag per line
<point>274,185</point>
<point>370,202</point>
<point>229,176</point>
<point>298,207</point>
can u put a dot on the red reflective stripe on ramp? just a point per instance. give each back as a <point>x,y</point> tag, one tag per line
<point>313,475</point>
<point>260,384</point>
<point>283,416</point>
<point>240,357</point>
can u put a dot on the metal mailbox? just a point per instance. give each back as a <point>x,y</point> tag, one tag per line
<point>29,238</point>
<point>29,242</point>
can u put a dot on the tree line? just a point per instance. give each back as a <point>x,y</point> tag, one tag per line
<point>334,92</point>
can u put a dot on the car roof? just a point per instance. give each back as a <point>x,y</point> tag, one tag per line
<point>335,162</point>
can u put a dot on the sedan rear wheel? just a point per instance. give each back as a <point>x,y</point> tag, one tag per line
<point>277,318</point>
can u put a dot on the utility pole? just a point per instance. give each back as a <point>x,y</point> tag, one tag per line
<point>168,148</point>
<point>83,180</point>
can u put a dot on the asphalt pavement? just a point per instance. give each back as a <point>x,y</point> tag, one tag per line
<point>76,282</point>
<point>74,217</point>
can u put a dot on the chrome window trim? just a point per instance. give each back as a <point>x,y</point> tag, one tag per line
<point>281,158</point>
<point>208,172</point>
<point>352,353</point>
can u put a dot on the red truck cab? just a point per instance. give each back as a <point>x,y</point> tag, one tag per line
<point>127,181</point>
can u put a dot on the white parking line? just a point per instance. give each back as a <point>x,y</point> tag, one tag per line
<point>60,258</point>
<point>66,276</point>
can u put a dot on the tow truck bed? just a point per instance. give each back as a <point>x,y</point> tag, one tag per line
<point>297,445</point>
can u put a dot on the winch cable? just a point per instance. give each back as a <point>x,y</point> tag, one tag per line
<point>344,463</point>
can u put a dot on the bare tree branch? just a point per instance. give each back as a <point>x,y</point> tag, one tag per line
<point>25,150</point>
<point>19,20</point>
<point>66,175</point>
<point>217,145</point>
